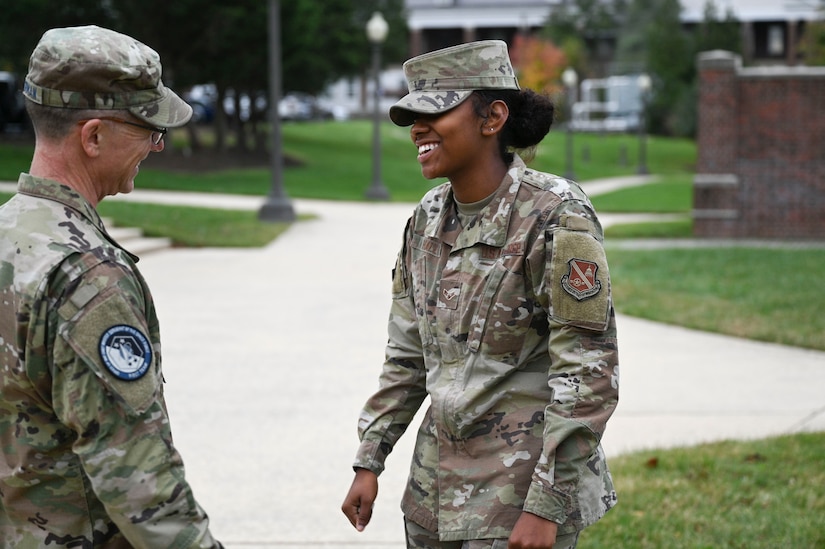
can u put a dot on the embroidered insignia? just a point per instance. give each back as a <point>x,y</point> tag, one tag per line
<point>514,248</point>
<point>449,293</point>
<point>125,352</point>
<point>580,280</point>
<point>490,252</point>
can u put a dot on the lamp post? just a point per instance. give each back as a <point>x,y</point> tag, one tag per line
<point>570,79</point>
<point>644,84</point>
<point>377,29</point>
<point>277,206</point>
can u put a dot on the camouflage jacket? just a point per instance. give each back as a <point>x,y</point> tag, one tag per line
<point>88,459</point>
<point>508,326</point>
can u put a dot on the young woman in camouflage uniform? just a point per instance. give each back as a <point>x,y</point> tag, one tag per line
<point>502,315</point>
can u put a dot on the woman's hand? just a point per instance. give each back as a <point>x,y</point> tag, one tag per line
<point>358,504</point>
<point>533,532</point>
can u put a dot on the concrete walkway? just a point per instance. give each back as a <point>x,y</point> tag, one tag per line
<point>270,353</point>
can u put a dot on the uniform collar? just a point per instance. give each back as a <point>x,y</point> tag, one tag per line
<point>49,189</point>
<point>490,226</point>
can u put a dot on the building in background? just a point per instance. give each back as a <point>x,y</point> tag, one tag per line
<point>436,24</point>
<point>770,28</point>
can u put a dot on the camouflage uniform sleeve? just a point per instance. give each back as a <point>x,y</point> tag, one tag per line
<point>123,437</point>
<point>388,413</point>
<point>573,283</point>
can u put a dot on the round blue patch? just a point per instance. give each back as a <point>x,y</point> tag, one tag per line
<point>125,352</point>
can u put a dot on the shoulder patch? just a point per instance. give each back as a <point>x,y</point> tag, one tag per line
<point>126,352</point>
<point>580,280</point>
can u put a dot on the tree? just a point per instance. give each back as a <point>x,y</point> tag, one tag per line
<point>812,44</point>
<point>23,22</point>
<point>654,40</point>
<point>719,33</point>
<point>671,61</point>
<point>203,41</point>
<point>539,63</point>
<point>713,33</point>
<point>586,31</point>
<point>632,46</point>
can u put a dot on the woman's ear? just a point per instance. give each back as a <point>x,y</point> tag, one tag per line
<point>499,112</point>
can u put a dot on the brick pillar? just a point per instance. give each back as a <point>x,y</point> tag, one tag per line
<point>716,186</point>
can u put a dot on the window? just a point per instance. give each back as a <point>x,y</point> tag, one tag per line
<point>776,41</point>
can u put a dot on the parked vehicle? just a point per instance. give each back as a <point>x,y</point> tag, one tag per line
<point>12,105</point>
<point>202,98</point>
<point>247,105</point>
<point>293,106</point>
<point>302,106</point>
<point>204,101</point>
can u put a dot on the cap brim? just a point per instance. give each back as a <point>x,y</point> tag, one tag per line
<point>403,113</point>
<point>170,112</point>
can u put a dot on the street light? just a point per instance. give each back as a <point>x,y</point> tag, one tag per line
<point>277,206</point>
<point>570,79</point>
<point>644,84</point>
<point>377,29</point>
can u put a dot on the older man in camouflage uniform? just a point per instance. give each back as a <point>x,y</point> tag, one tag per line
<point>505,320</point>
<point>87,447</point>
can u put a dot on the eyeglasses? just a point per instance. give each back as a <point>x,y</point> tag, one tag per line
<point>156,136</point>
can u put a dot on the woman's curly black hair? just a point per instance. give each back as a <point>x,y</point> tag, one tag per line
<point>531,115</point>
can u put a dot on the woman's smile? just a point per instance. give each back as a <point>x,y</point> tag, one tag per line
<point>425,150</point>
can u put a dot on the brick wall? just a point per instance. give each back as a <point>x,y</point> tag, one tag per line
<point>761,151</point>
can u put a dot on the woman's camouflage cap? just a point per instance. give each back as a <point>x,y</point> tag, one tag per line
<point>440,80</point>
<point>95,68</point>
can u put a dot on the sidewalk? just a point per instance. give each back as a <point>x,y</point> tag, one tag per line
<point>270,353</point>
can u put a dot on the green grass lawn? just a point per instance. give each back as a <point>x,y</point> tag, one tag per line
<point>195,227</point>
<point>750,495</point>
<point>760,494</point>
<point>762,294</point>
<point>672,193</point>
<point>731,291</point>
<point>336,162</point>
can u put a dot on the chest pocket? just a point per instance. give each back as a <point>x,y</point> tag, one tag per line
<point>504,310</point>
<point>426,266</point>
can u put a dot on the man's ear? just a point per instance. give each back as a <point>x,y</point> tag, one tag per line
<point>91,137</point>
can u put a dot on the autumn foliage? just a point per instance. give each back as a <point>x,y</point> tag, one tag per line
<point>538,63</point>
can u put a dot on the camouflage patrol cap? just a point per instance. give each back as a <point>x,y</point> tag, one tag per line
<point>440,80</point>
<point>95,68</point>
